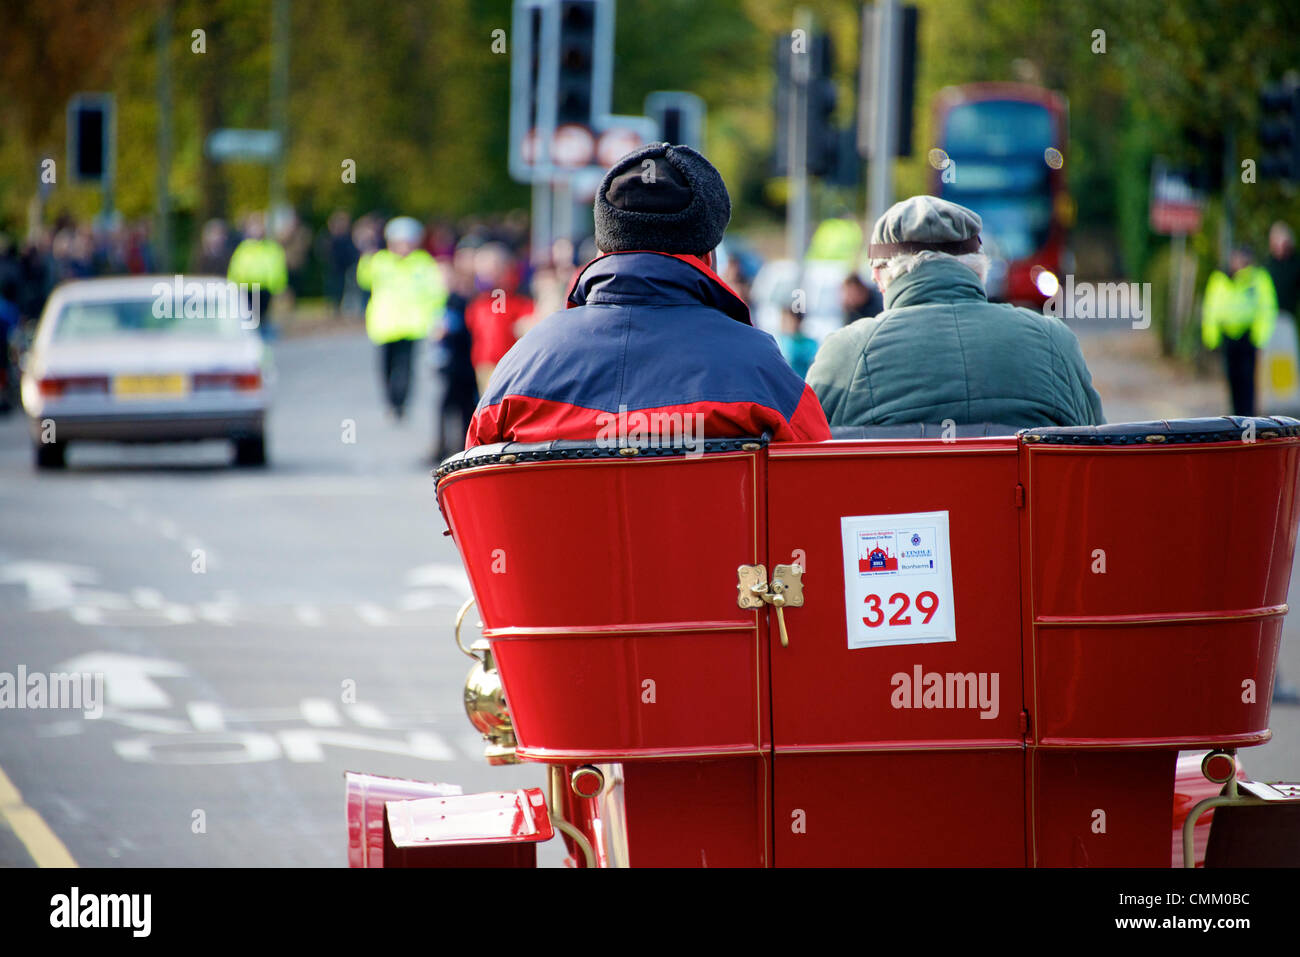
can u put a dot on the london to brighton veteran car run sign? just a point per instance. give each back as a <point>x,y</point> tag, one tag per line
<point>897,579</point>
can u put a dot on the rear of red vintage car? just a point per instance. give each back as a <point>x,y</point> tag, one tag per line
<point>903,648</point>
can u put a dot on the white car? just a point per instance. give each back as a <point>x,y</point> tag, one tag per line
<point>147,359</point>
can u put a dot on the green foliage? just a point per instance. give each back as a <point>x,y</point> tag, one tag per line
<point>412,92</point>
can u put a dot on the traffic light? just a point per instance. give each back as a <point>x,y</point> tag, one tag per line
<point>577,62</point>
<point>823,136</point>
<point>90,137</point>
<point>1203,157</point>
<point>678,117</point>
<point>1279,132</point>
<point>820,135</point>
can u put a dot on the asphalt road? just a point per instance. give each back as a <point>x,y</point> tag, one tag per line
<point>230,610</point>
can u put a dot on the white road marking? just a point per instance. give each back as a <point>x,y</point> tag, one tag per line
<point>206,716</point>
<point>308,615</point>
<point>49,585</point>
<point>439,575</point>
<point>307,744</point>
<point>147,597</point>
<point>179,614</point>
<point>421,600</point>
<point>372,614</point>
<point>320,712</point>
<point>215,612</point>
<point>214,747</point>
<point>86,615</point>
<point>368,716</point>
<point>128,679</point>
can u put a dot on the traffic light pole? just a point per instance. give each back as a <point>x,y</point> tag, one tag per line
<point>280,100</point>
<point>884,113</point>
<point>162,229</point>
<point>1229,197</point>
<point>797,140</point>
<point>540,241</point>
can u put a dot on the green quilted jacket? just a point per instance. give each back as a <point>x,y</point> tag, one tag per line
<point>941,350</point>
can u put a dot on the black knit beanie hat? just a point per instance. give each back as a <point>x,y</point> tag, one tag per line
<point>664,198</point>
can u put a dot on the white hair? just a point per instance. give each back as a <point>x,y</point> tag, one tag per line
<point>903,263</point>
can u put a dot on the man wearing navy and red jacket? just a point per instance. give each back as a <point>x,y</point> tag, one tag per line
<point>650,333</point>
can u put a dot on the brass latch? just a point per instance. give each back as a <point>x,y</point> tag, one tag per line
<point>785,590</point>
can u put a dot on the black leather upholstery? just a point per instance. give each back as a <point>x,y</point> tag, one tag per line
<point>1227,428</point>
<point>1224,428</point>
<point>559,449</point>
<point>920,430</point>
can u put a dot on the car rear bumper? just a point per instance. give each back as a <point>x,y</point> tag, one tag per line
<point>172,426</point>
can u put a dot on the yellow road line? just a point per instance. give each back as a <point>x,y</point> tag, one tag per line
<point>42,844</point>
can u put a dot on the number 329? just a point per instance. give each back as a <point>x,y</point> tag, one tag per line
<point>927,603</point>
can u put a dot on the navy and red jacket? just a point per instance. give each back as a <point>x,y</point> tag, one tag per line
<point>646,332</point>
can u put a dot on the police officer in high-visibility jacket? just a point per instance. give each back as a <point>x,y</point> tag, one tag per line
<point>259,263</point>
<point>1239,312</point>
<point>407,293</point>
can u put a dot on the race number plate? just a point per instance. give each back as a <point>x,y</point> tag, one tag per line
<point>150,386</point>
<point>897,579</point>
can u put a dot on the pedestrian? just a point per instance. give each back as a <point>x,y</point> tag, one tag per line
<point>406,295</point>
<point>213,257</point>
<point>339,254</point>
<point>860,300</point>
<point>651,334</point>
<point>1239,313</point>
<point>940,350</point>
<point>1283,267</point>
<point>455,367</point>
<point>494,315</point>
<point>259,262</point>
<point>799,350</point>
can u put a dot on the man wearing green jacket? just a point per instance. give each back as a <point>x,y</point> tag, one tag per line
<point>1239,313</point>
<point>259,262</point>
<point>406,294</point>
<point>941,352</point>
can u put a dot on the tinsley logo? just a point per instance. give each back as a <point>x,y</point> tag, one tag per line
<point>951,690</point>
<point>102,910</point>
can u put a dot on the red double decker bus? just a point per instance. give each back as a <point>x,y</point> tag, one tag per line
<point>1006,143</point>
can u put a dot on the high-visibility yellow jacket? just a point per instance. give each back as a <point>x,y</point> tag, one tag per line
<point>406,294</point>
<point>1233,307</point>
<point>836,240</point>
<point>259,261</point>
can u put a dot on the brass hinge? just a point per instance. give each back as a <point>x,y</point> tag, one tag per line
<point>785,590</point>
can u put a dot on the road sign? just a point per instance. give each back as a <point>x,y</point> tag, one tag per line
<point>1175,206</point>
<point>616,143</point>
<point>573,146</point>
<point>259,146</point>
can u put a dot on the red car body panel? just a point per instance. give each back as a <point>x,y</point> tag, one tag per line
<point>1122,593</point>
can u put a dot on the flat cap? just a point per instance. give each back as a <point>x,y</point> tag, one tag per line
<point>925,223</point>
<point>664,198</point>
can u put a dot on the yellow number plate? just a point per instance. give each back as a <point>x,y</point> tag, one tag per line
<point>150,386</point>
